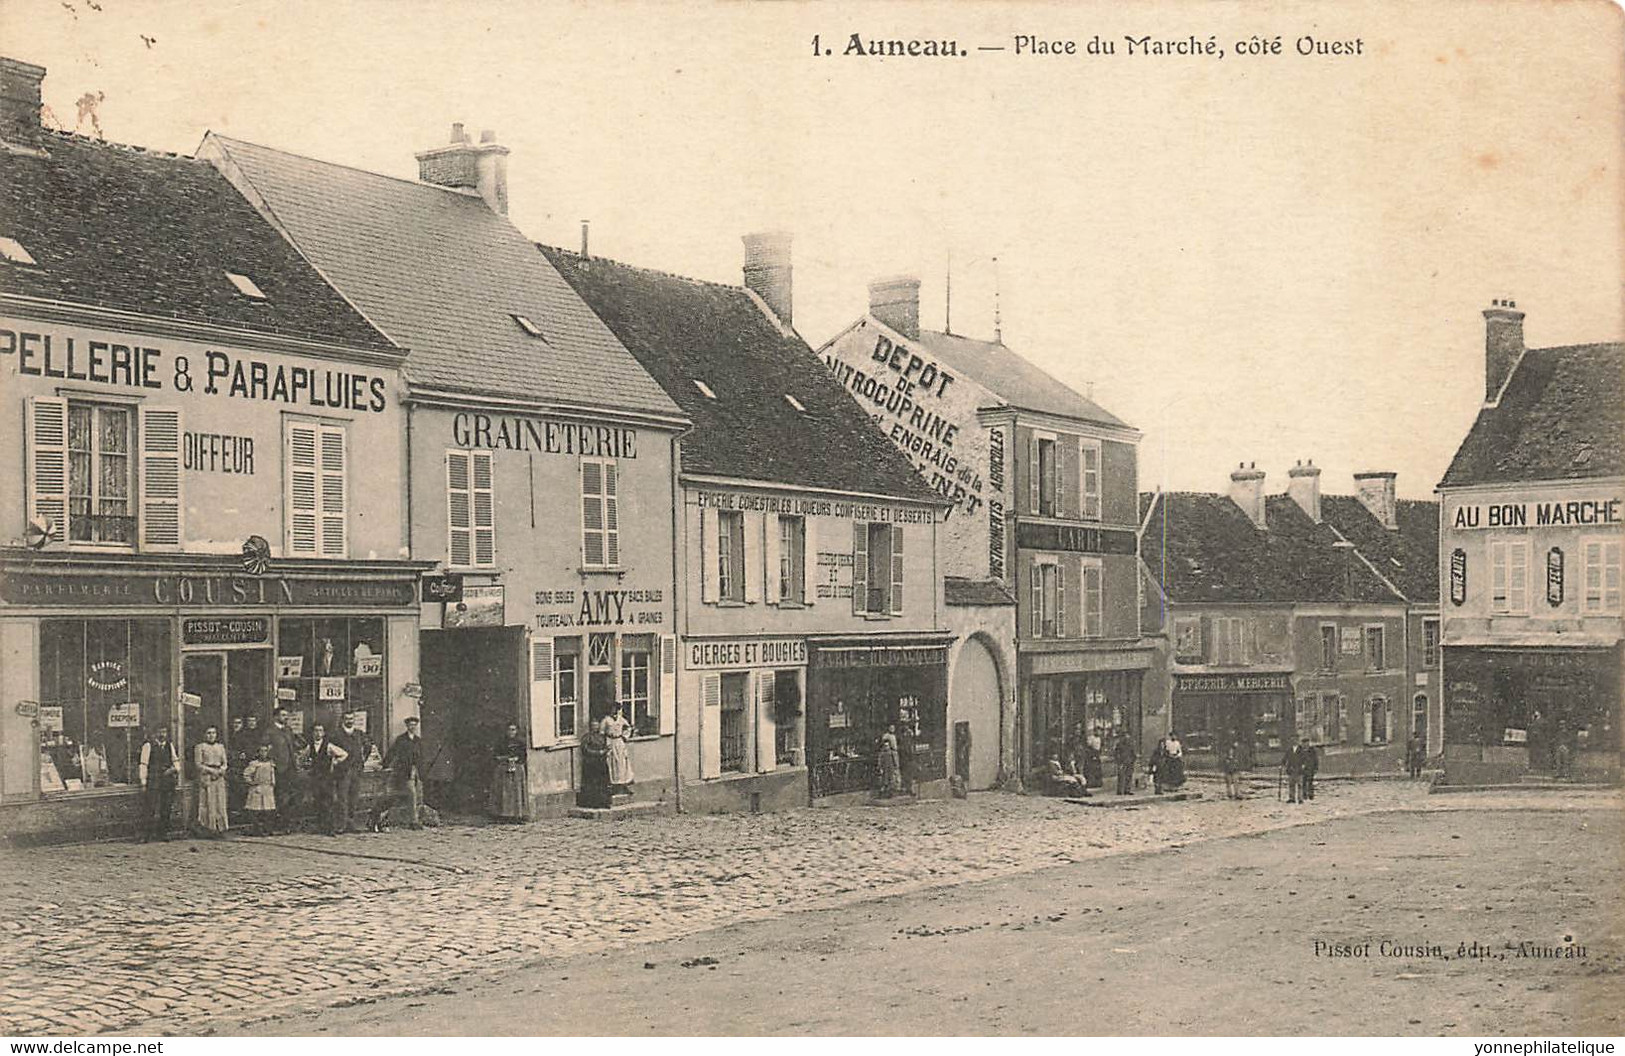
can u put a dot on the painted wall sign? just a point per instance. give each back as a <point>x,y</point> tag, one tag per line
<point>1348,639</point>
<point>23,587</point>
<point>247,630</point>
<point>995,505</point>
<point>513,433</point>
<point>1237,683</point>
<point>480,607</point>
<point>443,588</point>
<point>215,373</point>
<point>219,453</point>
<point>882,656</point>
<point>106,676</point>
<point>746,653</point>
<point>600,608</point>
<point>1458,576</point>
<point>1075,538</point>
<point>1554,577</point>
<point>807,507</point>
<point>834,575</point>
<point>1526,514</point>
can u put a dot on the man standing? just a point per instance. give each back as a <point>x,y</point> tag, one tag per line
<point>1123,755</point>
<point>347,775</point>
<point>160,775</point>
<point>284,756</point>
<point>1414,756</point>
<point>1232,767</point>
<point>1309,762</point>
<point>405,765</point>
<point>326,760</point>
<point>1293,762</point>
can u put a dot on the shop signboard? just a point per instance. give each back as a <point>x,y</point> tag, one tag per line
<point>248,630</point>
<point>1348,639</point>
<point>1075,538</point>
<point>201,590</point>
<point>1554,577</point>
<point>443,588</point>
<point>28,709</point>
<point>480,607</point>
<point>746,653</point>
<point>1597,511</point>
<point>1270,682</point>
<point>1458,576</point>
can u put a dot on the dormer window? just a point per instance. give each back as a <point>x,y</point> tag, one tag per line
<point>13,251</point>
<point>527,326</point>
<point>792,401</point>
<point>245,286</point>
<point>705,390</point>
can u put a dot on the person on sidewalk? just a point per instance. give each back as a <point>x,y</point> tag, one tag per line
<point>506,801</point>
<point>1293,764</point>
<point>212,762</point>
<point>260,801</point>
<point>1309,763</point>
<point>889,765</point>
<point>405,763</point>
<point>1415,756</point>
<point>1123,755</point>
<point>160,773</point>
<point>347,775</point>
<point>1159,765</point>
<point>284,756</point>
<point>1173,763</point>
<point>1232,770</point>
<point>326,759</point>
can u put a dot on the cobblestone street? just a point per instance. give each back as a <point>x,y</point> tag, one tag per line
<point>190,936</point>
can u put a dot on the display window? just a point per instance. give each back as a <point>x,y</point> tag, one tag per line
<point>853,709</point>
<point>104,686</point>
<point>329,667</point>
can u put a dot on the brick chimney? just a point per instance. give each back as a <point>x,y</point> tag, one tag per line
<point>896,302</point>
<point>1247,491</point>
<point>20,103</point>
<point>1503,345</point>
<point>768,271</point>
<point>1376,493</point>
<point>481,167</point>
<point>1303,484</point>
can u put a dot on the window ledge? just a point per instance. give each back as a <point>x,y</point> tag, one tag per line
<point>602,570</point>
<point>730,603</point>
<point>792,605</point>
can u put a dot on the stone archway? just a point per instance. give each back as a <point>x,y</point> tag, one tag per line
<point>975,704</point>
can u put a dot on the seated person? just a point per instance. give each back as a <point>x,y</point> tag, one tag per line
<point>1062,783</point>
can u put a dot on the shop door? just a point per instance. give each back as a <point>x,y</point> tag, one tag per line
<point>474,683</point>
<point>974,706</point>
<point>203,675</point>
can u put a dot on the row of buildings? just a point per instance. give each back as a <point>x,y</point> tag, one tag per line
<point>293,434</point>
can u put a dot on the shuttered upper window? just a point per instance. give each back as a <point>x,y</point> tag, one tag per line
<point>877,569</point>
<point>318,492</point>
<point>600,514</point>
<point>105,473</point>
<point>470,510</point>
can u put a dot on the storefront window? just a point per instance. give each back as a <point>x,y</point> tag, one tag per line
<point>787,717</point>
<point>104,684</point>
<point>330,667</point>
<point>851,708</point>
<point>642,705</point>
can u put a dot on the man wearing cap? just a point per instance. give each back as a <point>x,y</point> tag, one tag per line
<point>405,763</point>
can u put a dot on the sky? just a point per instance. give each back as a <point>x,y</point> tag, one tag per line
<point>1259,258</point>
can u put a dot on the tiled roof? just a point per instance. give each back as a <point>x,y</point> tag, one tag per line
<point>684,331</point>
<point>1015,381</point>
<point>979,592</point>
<point>142,231</point>
<point>1407,556</point>
<point>1202,548</point>
<point>1561,416</point>
<point>442,274</point>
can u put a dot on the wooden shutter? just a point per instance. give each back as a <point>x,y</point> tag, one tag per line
<point>542,701</point>
<point>484,495</point>
<point>303,488</point>
<point>710,724</point>
<point>809,561</point>
<point>710,525</point>
<point>772,553</point>
<point>1071,606</point>
<point>1089,481</point>
<point>612,515</point>
<point>1092,601</point>
<point>860,567</point>
<point>48,463</point>
<point>334,513</point>
<point>897,570</point>
<point>746,561</point>
<point>1034,473</point>
<point>767,744</point>
<point>459,509</point>
<point>1067,491</point>
<point>160,509</point>
<point>592,514</point>
<point>668,684</point>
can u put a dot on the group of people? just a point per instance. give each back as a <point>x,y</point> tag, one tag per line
<point>1167,765</point>
<point>1300,764</point>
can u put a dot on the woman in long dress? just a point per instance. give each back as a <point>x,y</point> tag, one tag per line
<point>508,776</point>
<point>1176,762</point>
<point>617,731</point>
<point>210,757</point>
<point>891,768</point>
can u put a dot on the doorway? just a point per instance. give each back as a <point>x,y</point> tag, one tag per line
<point>229,683</point>
<point>474,682</point>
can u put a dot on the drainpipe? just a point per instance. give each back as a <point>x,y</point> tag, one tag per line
<point>679,613</point>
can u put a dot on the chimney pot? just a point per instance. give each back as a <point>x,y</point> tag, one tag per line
<point>465,165</point>
<point>20,103</point>
<point>1247,491</point>
<point>457,135</point>
<point>896,302</point>
<point>769,273</point>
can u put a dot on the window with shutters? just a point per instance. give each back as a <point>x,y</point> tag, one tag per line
<point>1046,600</point>
<point>730,556</point>
<point>1048,454</point>
<point>470,510</point>
<point>792,570</point>
<point>1092,602</point>
<point>877,569</point>
<point>566,686</point>
<point>1430,643</point>
<point>642,704</point>
<point>1089,479</point>
<point>1230,640</point>
<point>1376,647</point>
<point>600,514</point>
<point>1509,576</point>
<point>101,502</point>
<point>318,490</point>
<point>1377,715</point>
<point>1602,575</point>
<point>1328,647</point>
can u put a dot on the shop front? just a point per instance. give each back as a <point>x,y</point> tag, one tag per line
<point>857,689</point>
<point>101,652</point>
<point>1251,709</point>
<point>752,721</point>
<point>1074,699</point>
<point>1511,711</point>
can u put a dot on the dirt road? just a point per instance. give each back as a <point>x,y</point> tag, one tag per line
<point>1213,938</point>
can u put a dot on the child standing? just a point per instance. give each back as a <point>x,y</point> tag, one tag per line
<point>260,778</point>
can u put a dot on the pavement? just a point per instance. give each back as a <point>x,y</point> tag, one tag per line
<point>198,937</point>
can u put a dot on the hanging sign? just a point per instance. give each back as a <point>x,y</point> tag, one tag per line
<point>412,691</point>
<point>332,688</point>
<point>191,700</point>
<point>369,666</point>
<point>1458,576</point>
<point>124,716</point>
<point>1554,577</point>
<point>287,693</point>
<point>289,666</point>
<point>28,709</point>
<point>443,588</point>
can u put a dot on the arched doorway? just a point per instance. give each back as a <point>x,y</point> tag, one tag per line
<point>975,697</point>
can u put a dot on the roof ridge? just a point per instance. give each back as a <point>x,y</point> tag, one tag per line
<point>596,258</point>
<point>131,148</point>
<point>454,191</point>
